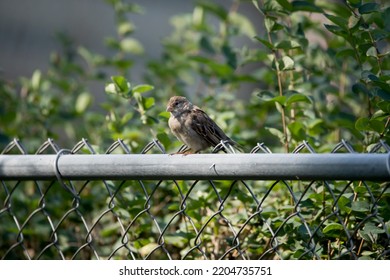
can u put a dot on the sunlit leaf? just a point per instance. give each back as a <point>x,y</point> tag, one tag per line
<point>36,80</point>
<point>297,130</point>
<point>287,63</point>
<point>119,86</point>
<point>148,102</point>
<point>83,101</point>
<point>131,45</point>
<point>372,52</point>
<point>142,88</point>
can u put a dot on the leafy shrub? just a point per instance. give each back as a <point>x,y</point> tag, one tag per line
<point>319,72</point>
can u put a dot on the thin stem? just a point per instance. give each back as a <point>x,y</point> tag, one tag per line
<point>280,89</point>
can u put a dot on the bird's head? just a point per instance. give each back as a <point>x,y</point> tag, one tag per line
<point>178,104</point>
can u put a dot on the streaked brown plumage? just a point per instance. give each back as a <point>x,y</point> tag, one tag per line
<point>193,126</point>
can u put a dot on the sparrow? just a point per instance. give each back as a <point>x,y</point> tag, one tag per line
<point>193,126</point>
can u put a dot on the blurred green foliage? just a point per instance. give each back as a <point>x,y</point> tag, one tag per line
<point>319,71</point>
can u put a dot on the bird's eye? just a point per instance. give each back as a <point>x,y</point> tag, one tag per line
<point>176,103</point>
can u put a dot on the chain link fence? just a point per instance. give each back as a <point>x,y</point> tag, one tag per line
<point>114,217</point>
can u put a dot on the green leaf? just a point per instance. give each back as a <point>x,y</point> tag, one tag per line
<point>361,88</point>
<point>279,99</point>
<point>276,132</point>
<point>230,56</point>
<point>131,45</point>
<point>164,139</point>
<point>125,28</point>
<point>265,95</point>
<point>372,229</point>
<point>385,95</point>
<point>377,126</point>
<point>110,230</point>
<point>339,21</point>
<point>127,117</point>
<point>112,43</point>
<point>121,83</point>
<point>362,124</point>
<point>122,64</point>
<point>287,63</point>
<point>297,130</point>
<point>305,6</point>
<point>285,4</point>
<point>360,206</point>
<point>164,115</point>
<point>354,22</point>
<point>220,69</point>
<point>298,98</point>
<point>82,102</point>
<point>386,19</point>
<point>148,102</point>
<point>213,8</point>
<point>288,45</point>
<point>147,249</point>
<point>369,8</point>
<point>333,227</point>
<point>372,52</point>
<point>36,80</point>
<point>334,29</point>
<point>91,58</point>
<point>110,88</point>
<point>142,88</point>
<point>206,45</point>
<point>243,23</point>
<point>119,86</point>
<point>344,204</point>
<point>381,88</point>
<point>355,3</point>
<point>384,106</point>
<point>256,4</point>
<point>264,42</point>
<point>345,53</point>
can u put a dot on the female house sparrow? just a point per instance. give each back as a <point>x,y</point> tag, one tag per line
<point>194,127</point>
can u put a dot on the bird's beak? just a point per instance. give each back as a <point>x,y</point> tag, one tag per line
<point>169,108</point>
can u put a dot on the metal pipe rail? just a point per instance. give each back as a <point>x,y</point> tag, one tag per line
<point>375,167</point>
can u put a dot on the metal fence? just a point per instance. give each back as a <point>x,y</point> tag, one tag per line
<point>76,204</point>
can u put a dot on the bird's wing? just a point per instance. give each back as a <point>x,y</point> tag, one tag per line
<point>207,128</point>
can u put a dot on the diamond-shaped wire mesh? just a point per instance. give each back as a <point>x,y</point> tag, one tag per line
<point>241,219</point>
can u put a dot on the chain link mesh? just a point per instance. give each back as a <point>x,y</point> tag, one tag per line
<point>241,219</point>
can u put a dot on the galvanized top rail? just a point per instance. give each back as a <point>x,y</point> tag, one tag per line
<point>375,167</point>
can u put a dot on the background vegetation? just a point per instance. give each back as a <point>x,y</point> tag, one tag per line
<point>319,72</point>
